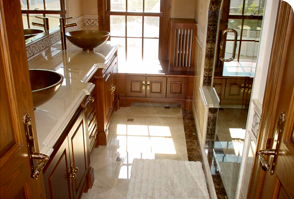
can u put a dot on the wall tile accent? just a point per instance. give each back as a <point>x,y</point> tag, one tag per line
<point>213,18</point>
<point>211,124</point>
<point>38,46</point>
<point>256,120</point>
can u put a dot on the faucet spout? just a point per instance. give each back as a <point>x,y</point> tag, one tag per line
<point>63,26</point>
<point>45,23</point>
<point>70,25</point>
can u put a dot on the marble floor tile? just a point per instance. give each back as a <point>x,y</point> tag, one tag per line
<point>153,133</point>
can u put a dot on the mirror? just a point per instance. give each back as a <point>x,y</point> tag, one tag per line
<point>41,15</point>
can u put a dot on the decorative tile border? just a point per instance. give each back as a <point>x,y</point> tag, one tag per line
<point>36,47</point>
<point>79,21</point>
<point>91,20</point>
<point>40,45</point>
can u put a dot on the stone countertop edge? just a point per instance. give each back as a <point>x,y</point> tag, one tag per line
<point>48,133</point>
<point>47,146</point>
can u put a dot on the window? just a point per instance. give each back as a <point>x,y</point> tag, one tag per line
<point>137,26</point>
<point>53,9</point>
<point>245,16</point>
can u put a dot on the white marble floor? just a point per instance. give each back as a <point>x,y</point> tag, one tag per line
<point>135,132</point>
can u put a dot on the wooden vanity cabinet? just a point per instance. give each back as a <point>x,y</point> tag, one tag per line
<point>90,107</point>
<point>66,172</point>
<point>151,87</point>
<point>106,103</point>
<point>156,89</point>
<point>233,91</point>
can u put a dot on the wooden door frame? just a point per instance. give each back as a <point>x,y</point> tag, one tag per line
<point>272,91</point>
<point>15,66</point>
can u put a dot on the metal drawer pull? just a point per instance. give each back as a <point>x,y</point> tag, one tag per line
<point>73,171</point>
<point>44,159</point>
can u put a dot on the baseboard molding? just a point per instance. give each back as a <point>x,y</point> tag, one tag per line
<point>206,167</point>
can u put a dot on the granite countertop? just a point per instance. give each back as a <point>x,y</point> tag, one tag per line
<point>77,67</point>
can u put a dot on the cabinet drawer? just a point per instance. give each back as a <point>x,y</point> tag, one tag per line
<point>176,87</point>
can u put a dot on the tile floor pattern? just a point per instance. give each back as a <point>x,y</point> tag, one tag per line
<point>155,133</point>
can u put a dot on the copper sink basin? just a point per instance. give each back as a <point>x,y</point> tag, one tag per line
<point>31,32</point>
<point>88,39</point>
<point>44,84</point>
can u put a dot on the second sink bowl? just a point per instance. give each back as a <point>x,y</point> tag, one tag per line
<point>31,32</point>
<point>88,39</point>
<point>44,84</point>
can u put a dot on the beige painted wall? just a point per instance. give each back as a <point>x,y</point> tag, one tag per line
<point>74,8</point>
<point>201,9</point>
<point>182,8</point>
<point>200,111</point>
<point>90,7</point>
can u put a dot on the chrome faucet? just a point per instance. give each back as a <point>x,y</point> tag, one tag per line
<point>45,23</point>
<point>63,26</point>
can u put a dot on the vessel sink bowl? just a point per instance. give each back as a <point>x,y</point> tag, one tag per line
<point>44,84</point>
<point>88,39</point>
<point>31,32</point>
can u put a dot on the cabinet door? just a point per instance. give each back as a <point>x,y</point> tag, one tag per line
<point>156,87</point>
<point>56,176</point>
<point>78,144</point>
<point>135,86</point>
<point>108,95</point>
<point>234,92</point>
<point>176,87</point>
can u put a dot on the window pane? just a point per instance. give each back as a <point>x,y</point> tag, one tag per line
<point>150,49</point>
<point>53,5</point>
<point>251,29</point>
<point>117,25</point>
<point>134,50</point>
<point>23,4</point>
<point>151,27</point>
<point>53,21</point>
<point>236,7</point>
<point>248,51</point>
<point>118,5</point>
<point>36,20</point>
<point>229,50</point>
<point>36,4</point>
<point>25,21</point>
<point>135,5</point>
<point>254,7</point>
<point>134,26</point>
<point>235,24</point>
<point>152,5</point>
<point>121,49</point>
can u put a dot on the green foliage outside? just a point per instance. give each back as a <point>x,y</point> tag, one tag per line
<point>253,9</point>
